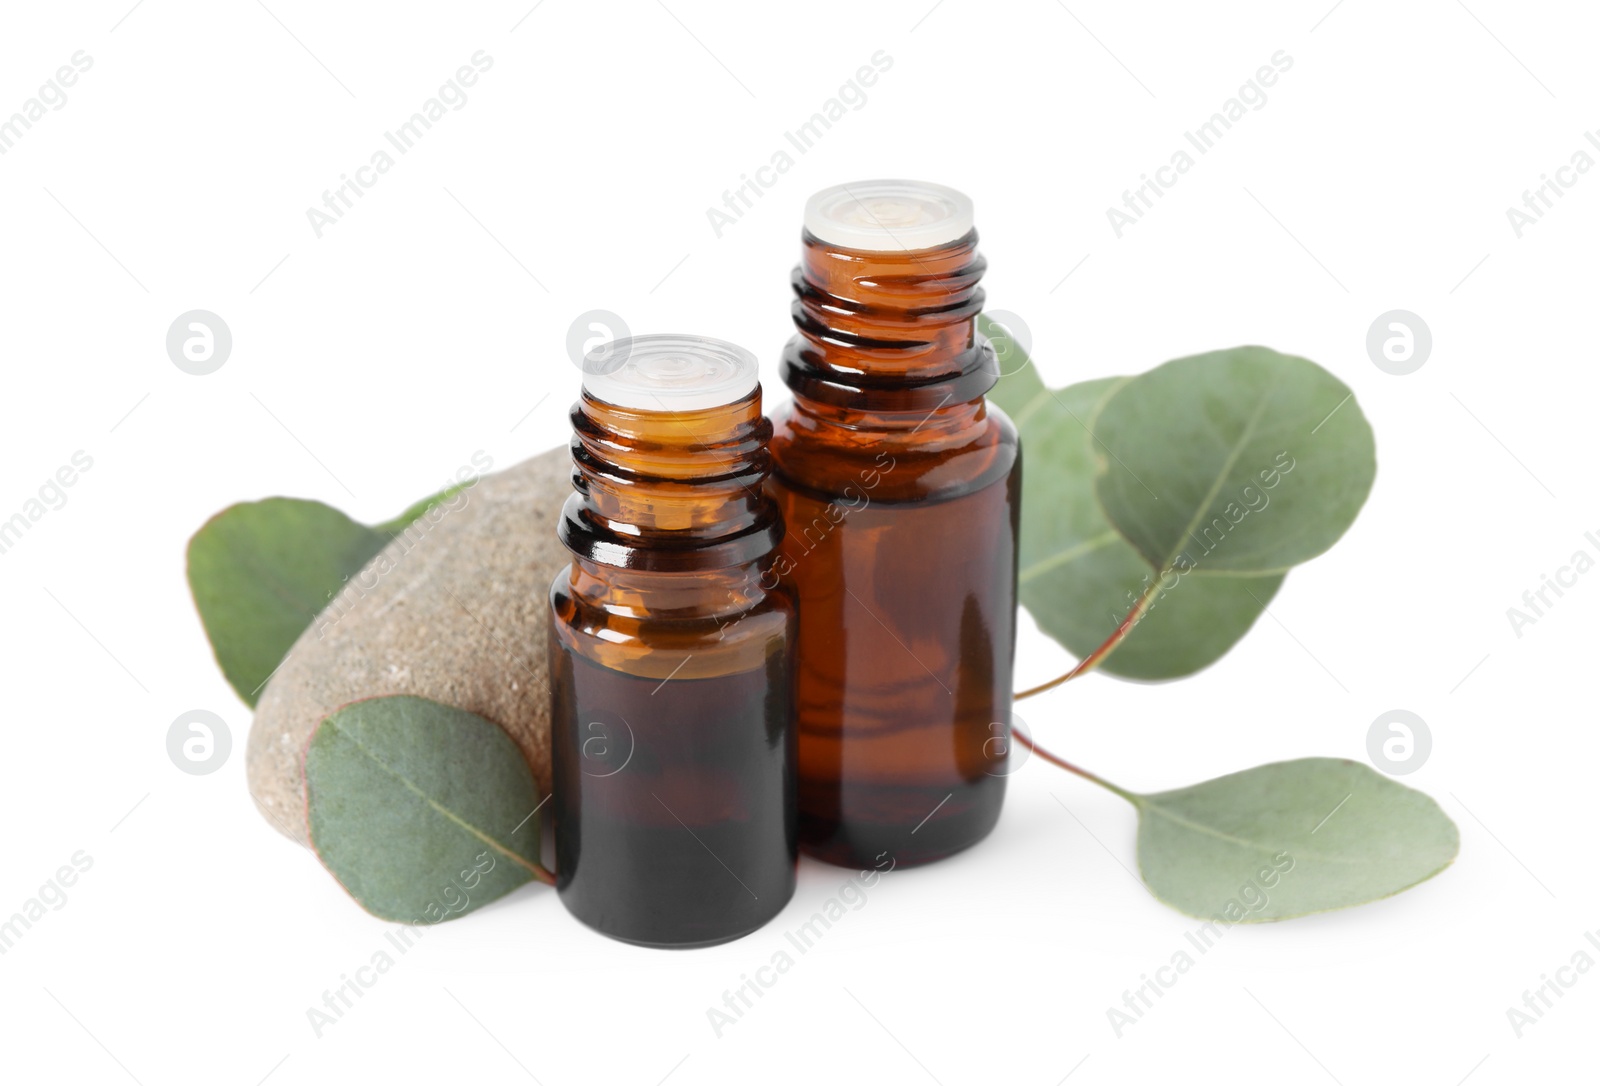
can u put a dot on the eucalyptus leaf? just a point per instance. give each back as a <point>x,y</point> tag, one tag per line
<point>1243,461</point>
<point>260,573</point>
<point>392,528</point>
<point>1081,571</point>
<point>1289,838</point>
<point>1078,576</point>
<point>422,811</point>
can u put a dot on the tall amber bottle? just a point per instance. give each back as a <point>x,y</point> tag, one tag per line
<point>672,654</point>
<point>900,488</point>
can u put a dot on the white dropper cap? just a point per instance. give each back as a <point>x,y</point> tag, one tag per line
<point>889,215</point>
<point>669,373</point>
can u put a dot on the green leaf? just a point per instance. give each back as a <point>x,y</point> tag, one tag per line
<point>399,524</point>
<point>422,811</point>
<point>1288,839</point>
<point>261,572</point>
<point>1081,571</point>
<point>1239,461</point>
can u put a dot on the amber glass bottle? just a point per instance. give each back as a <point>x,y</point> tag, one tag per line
<point>900,490</point>
<point>672,654</point>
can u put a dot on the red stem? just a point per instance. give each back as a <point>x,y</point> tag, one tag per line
<point>1092,661</point>
<point>1056,760</point>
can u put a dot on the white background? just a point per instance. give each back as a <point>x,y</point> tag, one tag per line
<point>369,364</point>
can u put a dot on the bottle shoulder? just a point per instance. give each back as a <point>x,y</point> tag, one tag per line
<point>706,627</point>
<point>790,425</point>
<point>830,460</point>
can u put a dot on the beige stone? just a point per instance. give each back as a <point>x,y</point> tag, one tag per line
<point>456,610</point>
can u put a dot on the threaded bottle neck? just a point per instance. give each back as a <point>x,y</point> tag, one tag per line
<point>670,490</point>
<point>888,331</point>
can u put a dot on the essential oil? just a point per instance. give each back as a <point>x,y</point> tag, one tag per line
<point>672,654</point>
<point>900,489</point>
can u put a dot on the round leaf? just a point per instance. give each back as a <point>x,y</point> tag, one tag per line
<point>1078,576</point>
<point>1238,461</point>
<point>421,810</point>
<point>1288,839</point>
<point>261,572</point>
<point>1082,570</point>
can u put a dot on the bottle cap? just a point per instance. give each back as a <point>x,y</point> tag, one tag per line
<point>889,215</point>
<point>669,373</point>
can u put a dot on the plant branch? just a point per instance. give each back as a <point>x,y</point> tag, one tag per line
<point>1056,760</point>
<point>1094,659</point>
<point>539,871</point>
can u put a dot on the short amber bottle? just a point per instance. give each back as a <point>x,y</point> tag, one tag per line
<point>900,489</point>
<point>672,654</point>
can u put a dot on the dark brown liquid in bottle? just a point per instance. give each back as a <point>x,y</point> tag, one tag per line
<point>679,830</point>
<point>671,664</point>
<point>900,489</point>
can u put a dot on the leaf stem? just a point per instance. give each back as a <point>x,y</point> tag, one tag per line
<point>1093,660</point>
<point>1055,759</point>
<point>539,871</point>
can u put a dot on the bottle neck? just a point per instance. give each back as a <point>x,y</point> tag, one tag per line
<point>672,491</point>
<point>890,334</point>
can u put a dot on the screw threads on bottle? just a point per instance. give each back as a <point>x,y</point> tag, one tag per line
<point>669,490</point>
<point>890,330</point>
